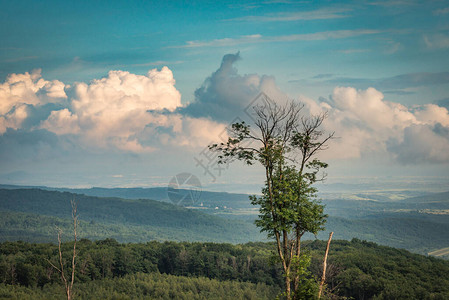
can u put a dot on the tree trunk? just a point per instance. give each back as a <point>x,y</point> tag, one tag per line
<point>297,253</point>
<point>287,285</point>
<point>323,278</point>
<point>282,247</point>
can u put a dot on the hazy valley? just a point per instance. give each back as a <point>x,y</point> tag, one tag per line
<point>419,224</point>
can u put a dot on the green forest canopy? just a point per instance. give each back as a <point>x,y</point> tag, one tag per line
<point>358,269</point>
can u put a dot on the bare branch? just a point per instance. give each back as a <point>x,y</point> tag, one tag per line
<point>61,264</point>
<point>55,267</point>
<point>75,223</point>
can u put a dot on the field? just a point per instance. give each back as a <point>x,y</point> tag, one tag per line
<point>440,252</point>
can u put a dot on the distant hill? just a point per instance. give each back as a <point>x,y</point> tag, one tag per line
<point>419,224</point>
<point>437,197</point>
<point>209,199</point>
<point>122,216</point>
<point>406,231</point>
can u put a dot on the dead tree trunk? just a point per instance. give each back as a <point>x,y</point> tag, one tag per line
<point>323,277</point>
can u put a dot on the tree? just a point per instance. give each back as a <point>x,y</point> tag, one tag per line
<point>68,282</point>
<point>285,143</point>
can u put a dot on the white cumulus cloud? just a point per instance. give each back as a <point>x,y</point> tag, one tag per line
<point>21,90</point>
<point>62,122</point>
<point>29,88</point>
<point>133,113</point>
<point>122,111</point>
<point>112,110</point>
<point>126,112</point>
<point>366,124</point>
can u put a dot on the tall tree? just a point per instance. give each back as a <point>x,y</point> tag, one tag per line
<point>285,143</point>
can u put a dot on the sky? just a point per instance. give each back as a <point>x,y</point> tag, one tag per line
<point>130,93</point>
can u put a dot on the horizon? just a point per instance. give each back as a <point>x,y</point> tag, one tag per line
<point>351,185</point>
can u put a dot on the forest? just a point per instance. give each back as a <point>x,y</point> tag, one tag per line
<point>183,270</point>
<point>418,224</point>
<point>31,214</point>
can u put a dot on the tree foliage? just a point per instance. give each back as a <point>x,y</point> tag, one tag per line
<point>356,269</point>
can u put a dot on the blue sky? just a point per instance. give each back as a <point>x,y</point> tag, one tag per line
<point>67,120</point>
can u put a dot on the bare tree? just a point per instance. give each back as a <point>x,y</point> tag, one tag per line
<point>68,282</point>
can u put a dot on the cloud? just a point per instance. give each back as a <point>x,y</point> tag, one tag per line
<point>441,11</point>
<point>158,63</point>
<point>225,42</point>
<point>27,146</point>
<point>437,41</point>
<point>167,131</point>
<point>257,38</point>
<point>14,118</point>
<point>319,14</point>
<point>130,113</point>
<point>18,59</point>
<point>321,76</point>
<point>225,94</point>
<point>368,125</point>
<point>422,144</point>
<point>392,3</point>
<point>399,92</point>
<point>431,114</point>
<point>29,88</point>
<point>352,51</point>
<point>21,94</point>
<point>110,111</point>
<point>392,47</point>
<point>121,112</point>
<point>62,122</point>
<point>400,84</point>
<point>414,80</point>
